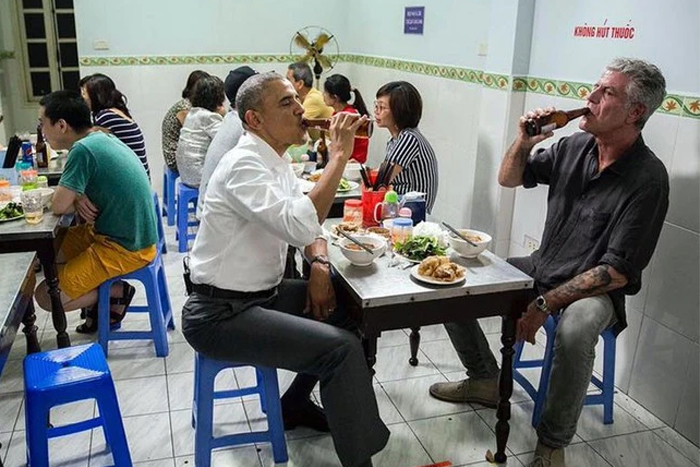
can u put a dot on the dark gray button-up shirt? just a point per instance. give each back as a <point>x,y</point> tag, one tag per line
<point>613,217</point>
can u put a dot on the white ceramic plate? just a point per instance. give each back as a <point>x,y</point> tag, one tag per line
<point>430,280</point>
<point>351,186</point>
<point>414,261</point>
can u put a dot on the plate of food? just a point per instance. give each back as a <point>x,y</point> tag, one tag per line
<point>346,185</point>
<point>347,227</point>
<point>417,248</point>
<point>439,270</point>
<point>11,211</point>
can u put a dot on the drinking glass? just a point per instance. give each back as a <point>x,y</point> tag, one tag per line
<point>32,206</point>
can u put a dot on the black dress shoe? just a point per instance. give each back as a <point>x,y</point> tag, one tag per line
<point>306,414</point>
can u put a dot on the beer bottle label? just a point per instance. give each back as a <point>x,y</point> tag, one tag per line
<point>547,128</point>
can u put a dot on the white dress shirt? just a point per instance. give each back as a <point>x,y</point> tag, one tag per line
<point>254,208</point>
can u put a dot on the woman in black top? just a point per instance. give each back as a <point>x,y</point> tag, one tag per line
<point>398,108</point>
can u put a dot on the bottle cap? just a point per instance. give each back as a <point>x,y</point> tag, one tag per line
<point>403,222</point>
<point>405,212</point>
<point>391,197</point>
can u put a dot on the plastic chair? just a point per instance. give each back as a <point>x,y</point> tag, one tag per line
<point>169,196</point>
<point>158,305</point>
<point>205,371</point>
<point>159,225</point>
<point>67,375</point>
<point>606,386</point>
<point>186,196</point>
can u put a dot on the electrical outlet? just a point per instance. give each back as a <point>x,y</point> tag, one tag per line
<point>100,45</point>
<point>530,243</point>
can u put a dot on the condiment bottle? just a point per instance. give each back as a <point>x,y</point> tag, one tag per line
<point>352,211</point>
<point>401,229</point>
<point>549,122</point>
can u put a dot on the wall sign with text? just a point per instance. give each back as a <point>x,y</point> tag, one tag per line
<point>626,32</point>
<point>413,19</point>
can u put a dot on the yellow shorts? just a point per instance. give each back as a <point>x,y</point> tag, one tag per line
<point>91,259</point>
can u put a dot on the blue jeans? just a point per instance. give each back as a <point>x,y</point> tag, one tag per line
<point>575,340</point>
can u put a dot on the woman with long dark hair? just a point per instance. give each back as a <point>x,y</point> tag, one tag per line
<point>109,111</point>
<point>337,94</point>
<point>174,119</point>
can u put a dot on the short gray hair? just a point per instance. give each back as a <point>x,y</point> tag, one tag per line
<point>252,92</point>
<point>302,72</point>
<point>647,85</point>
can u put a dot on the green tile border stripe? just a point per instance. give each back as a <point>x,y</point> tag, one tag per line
<point>673,104</point>
<point>5,54</point>
<point>685,106</point>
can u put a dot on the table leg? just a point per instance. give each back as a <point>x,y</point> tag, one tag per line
<point>505,386</point>
<point>369,344</point>
<point>58,315</point>
<point>30,329</point>
<point>414,340</point>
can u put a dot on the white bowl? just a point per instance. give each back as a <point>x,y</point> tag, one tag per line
<point>46,196</point>
<point>298,168</point>
<point>360,257</point>
<point>352,172</point>
<point>466,250</point>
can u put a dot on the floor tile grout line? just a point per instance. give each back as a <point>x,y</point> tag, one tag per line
<point>170,419</point>
<point>675,448</point>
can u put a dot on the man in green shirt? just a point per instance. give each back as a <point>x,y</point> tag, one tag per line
<point>106,184</point>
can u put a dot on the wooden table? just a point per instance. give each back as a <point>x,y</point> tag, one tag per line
<point>389,298</point>
<point>44,238</point>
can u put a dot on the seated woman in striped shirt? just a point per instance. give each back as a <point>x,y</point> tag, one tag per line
<point>398,108</point>
<point>109,111</point>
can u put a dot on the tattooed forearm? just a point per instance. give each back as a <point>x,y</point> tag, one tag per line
<point>513,165</point>
<point>595,281</point>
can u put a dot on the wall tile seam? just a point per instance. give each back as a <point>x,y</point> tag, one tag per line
<point>685,229</point>
<point>693,342</point>
<point>674,104</point>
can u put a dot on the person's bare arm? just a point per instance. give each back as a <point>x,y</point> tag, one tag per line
<point>342,131</point>
<point>513,164</point>
<point>63,199</point>
<point>320,299</point>
<point>596,281</point>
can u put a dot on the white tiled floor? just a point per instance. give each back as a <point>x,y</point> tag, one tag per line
<point>155,400</point>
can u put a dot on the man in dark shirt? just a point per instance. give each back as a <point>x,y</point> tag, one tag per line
<point>608,197</point>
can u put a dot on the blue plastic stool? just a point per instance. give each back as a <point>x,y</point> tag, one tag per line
<point>159,309</point>
<point>169,201</point>
<point>67,375</point>
<point>606,386</point>
<point>205,371</point>
<point>159,225</point>
<point>186,195</point>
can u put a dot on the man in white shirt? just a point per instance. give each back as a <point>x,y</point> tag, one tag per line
<point>242,310</point>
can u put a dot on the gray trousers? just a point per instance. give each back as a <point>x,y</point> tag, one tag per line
<point>273,332</point>
<point>575,340</point>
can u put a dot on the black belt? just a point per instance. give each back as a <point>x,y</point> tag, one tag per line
<point>215,292</point>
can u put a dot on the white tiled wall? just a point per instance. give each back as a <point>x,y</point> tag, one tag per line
<point>657,355</point>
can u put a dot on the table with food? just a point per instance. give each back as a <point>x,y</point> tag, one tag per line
<point>430,276</point>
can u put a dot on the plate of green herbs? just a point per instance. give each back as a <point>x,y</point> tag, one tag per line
<point>12,211</point>
<point>416,249</point>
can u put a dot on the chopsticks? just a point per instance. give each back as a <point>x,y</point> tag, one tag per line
<point>365,177</point>
<point>355,241</point>
<point>459,234</point>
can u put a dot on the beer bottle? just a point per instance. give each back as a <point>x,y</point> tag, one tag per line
<point>322,152</point>
<point>549,122</point>
<point>364,131</point>
<point>42,152</point>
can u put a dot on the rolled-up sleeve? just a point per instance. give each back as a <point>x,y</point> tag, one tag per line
<point>636,233</point>
<point>257,196</point>
<point>539,166</point>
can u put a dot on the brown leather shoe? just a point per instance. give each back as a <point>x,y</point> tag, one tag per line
<point>479,391</point>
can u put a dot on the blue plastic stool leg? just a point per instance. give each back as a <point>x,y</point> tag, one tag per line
<point>204,416</point>
<point>113,425</point>
<point>609,347</point>
<point>35,415</point>
<point>271,397</point>
<point>550,329</point>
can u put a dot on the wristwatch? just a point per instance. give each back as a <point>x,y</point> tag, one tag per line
<point>320,259</point>
<point>541,305</point>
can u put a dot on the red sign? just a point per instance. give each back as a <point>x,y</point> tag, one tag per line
<point>604,31</point>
